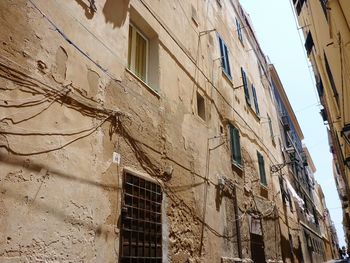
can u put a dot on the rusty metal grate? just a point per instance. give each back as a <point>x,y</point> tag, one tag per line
<point>141,240</point>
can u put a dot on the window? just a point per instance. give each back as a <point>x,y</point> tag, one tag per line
<point>270,128</point>
<point>225,63</point>
<point>255,101</point>
<point>324,7</point>
<point>141,224</point>
<point>138,53</point>
<point>143,51</point>
<point>201,106</point>
<point>239,30</point>
<point>250,93</point>
<point>262,173</point>
<point>235,146</point>
<point>319,86</point>
<point>331,79</point>
<point>309,43</point>
<point>194,15</point>
<point>298,5</point>
<point>245,85</point>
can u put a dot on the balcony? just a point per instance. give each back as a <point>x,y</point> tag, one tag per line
<point>285,123</point>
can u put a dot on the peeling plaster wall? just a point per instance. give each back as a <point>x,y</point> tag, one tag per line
<point>61,193</point>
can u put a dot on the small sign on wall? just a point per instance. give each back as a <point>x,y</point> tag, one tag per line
<point>116,158</point>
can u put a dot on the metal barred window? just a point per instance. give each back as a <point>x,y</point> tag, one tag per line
<point>141,223</point>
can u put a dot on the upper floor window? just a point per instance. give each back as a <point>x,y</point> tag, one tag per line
<point>331,79</point>
<point>262,172</point>
<point>309,43</point>
<point>138,53</point>
<point>143,51</point>
<point>298,5</point>
<point>250,93</point>
<point>225,63</point>
<point>201,106</point>
<point>235,145</point>
<point>245,86</point>
<point>324,7</point>
<point>239,30</point>
<point>255,98</point>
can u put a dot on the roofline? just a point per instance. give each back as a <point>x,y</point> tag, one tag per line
<point>309,159</point>
<point>285,99</point>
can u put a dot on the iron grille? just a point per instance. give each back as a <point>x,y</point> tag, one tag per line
<point>141,233</point>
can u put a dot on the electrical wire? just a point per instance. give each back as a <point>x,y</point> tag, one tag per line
<point>8,147</point>
<point>119,83</point>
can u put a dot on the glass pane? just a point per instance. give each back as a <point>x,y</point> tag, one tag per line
<point>141,53</point>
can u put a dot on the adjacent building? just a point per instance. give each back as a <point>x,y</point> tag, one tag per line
<point>130,135</point>
<point>326,28</point>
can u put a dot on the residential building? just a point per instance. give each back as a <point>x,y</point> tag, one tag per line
<point>329,236</point>
<point>296,177</point>
<point>326,28</point>
<point>130,135</point>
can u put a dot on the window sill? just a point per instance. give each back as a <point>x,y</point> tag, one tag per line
<point>256,116</point>
<point>264,192</point>
<point>238,168</point>
<point>273,143</point>
<point>149,88</point>
<point>204,122</point>
<point>227,77</point>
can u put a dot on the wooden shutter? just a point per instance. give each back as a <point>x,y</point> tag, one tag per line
<point>256,105</point>
<point>245,85</point>
<point>262,169</point>
<point>235,146</point>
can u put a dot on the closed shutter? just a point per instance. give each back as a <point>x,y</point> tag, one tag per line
<point>257,111</point>
<point>262,169</point>
<point>225,63</point>
<point>245,85</point>
<point>235,146</point>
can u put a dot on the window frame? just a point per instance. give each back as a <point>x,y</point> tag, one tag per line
<point>153,196</point>
<point>309,43</point>
<point>235,146</point>
<point>255,100</point>
<point>200,98</point>
<point>224,57</point>
<point>250,94</point>
<point>131,64</point>
<point>245,86</point>
<point>239,30</point>
<point>262,170</point>
<point>331,79</point>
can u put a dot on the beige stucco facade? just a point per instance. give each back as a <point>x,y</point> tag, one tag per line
<point>325,25</point>
<point>75,121</point>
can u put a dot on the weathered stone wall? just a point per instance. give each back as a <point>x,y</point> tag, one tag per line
<point>68,102</point>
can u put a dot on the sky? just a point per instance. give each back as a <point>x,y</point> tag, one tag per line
<point>278,35</point>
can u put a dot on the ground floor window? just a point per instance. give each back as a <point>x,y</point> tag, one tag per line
<point>141,222</point>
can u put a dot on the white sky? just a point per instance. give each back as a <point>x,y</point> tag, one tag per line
<point>278,36</point>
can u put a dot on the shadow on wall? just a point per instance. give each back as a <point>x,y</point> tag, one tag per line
<point>54,210</point>
<point>115,12</point>
<point>89,9</point>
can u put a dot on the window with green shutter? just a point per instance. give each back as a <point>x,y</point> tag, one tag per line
<point>235,146</point>
<point>256,105</point>
<point>239,30</point>
<point>262,173</point>
<point>245,86</point>
<point>225,63</point>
